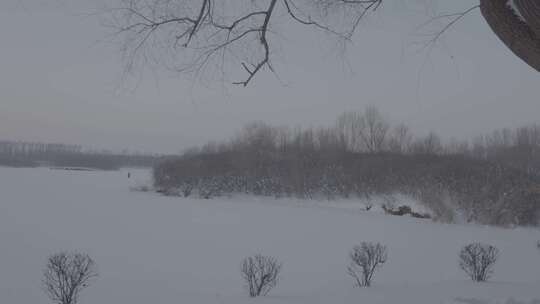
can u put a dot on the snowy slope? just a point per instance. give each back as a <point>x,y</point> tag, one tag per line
<point>154,249</point>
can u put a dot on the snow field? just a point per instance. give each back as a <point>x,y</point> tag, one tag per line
<point>155,249</point>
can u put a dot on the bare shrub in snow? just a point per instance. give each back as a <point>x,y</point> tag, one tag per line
<point>477,260</point>
<point>365,260</point>
<point>187,187</point>
<point>260,274</point>
<point>66,275</point>
<point>493,181</point>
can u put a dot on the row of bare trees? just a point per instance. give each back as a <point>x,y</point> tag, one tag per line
<point>369,132</point>
<point>26,149</point>
<point>67,274</point>
<point>31,154</point>
<point>261,273</point>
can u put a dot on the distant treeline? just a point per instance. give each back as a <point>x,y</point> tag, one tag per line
<point>32,154</point>
<point>495,179</point>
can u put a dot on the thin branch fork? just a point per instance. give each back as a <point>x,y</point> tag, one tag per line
<point>451,18</point>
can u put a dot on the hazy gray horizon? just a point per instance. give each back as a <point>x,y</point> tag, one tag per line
<point>61,81</point>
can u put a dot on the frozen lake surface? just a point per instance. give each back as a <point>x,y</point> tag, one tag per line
<point>151,249</point>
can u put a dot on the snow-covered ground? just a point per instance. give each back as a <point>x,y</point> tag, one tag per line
<point>155,249</point>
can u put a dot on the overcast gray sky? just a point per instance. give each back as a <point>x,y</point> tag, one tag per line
<point>60,81</point>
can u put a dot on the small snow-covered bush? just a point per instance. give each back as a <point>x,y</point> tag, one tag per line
<point>365,260</point>
<point>478,260</point>
<point>260,274</point>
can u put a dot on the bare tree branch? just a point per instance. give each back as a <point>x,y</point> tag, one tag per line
<point>449,19</point>
<point>236,29</point>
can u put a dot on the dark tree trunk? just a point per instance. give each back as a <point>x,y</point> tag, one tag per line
<point>521,36</point>
<point>530,10</point>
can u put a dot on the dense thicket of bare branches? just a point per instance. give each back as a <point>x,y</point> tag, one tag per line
<point>365,260</point>
<point>478,260</point>
<point>260,274</point>
<point>66,275</point>
<point>492,180</point>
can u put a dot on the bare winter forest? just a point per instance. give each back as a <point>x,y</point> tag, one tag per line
<point>493,179</point>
